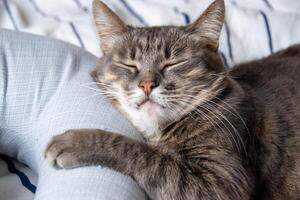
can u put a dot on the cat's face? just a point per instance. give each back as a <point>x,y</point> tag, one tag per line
<point>156,75</point>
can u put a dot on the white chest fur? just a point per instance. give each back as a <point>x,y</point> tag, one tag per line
<point>146,122</point>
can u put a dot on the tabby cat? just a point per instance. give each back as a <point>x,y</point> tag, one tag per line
<point>210,133</point>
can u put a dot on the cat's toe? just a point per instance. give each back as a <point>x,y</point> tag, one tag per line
<point>51,154</point>
<point>67,160</point>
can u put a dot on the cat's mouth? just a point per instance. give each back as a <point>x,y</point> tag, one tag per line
<point>146,101</point>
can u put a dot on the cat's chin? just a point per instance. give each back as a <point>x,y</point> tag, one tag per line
<point>149,106</point>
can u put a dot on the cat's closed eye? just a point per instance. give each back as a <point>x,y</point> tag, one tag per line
<point>174,64</point>
<point>131,67</point>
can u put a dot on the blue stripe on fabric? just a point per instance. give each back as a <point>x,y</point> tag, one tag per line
<point>133,12</point>
<point>186,18</point>
<point>268,4</point>
<point>42,13</point>
<point>37,9</point>
<point>7,8</point>
<point>73,27</point>
<point>82,7</point>
<point>268,31</point>
<point>23,178</point>
<point>225,60</point>
<point>228,40</point>
<point>185,15</point>
<point>77,35</point>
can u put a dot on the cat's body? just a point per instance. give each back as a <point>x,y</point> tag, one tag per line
<point>272,86</point>
<point>210,133</point>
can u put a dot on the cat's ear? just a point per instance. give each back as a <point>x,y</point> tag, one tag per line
<point>207,28</point>
<point>109,26</point>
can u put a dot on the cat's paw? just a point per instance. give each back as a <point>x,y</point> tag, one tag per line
<point>63,150</point>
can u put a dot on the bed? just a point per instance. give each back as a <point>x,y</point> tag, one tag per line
<point>253,29</point>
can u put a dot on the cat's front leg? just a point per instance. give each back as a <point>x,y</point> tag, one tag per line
<point>155,170</point>
<point>85,147</point>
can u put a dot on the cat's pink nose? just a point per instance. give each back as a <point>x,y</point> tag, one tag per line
<point>147,86</point>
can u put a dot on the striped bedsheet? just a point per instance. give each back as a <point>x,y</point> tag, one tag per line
<point>253,28</point>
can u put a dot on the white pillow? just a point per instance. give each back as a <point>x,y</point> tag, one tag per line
<point>45,89</point>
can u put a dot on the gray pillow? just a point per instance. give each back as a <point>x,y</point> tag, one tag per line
<point>45,89</point>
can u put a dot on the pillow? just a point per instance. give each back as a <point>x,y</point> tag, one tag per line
<point>46,89</point>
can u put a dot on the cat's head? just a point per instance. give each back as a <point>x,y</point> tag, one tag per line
<point>156,75</point>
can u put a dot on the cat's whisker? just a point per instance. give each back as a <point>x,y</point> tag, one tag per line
<point>87,98</point>
<point>89,83</point>
<point>213,123</point>
<point>238,117</point>
<point>240,141</point>
<point>225,118</point>
<point>94,89</point>
<point>196,146</point>
<point>104,86</point>
<point>221,121</point>
<point>217,114</point>
<point>174,112</point>
<point>210,120</point>
<point>236,113</point>
<point>105,93</point>
<point>182,89</point>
